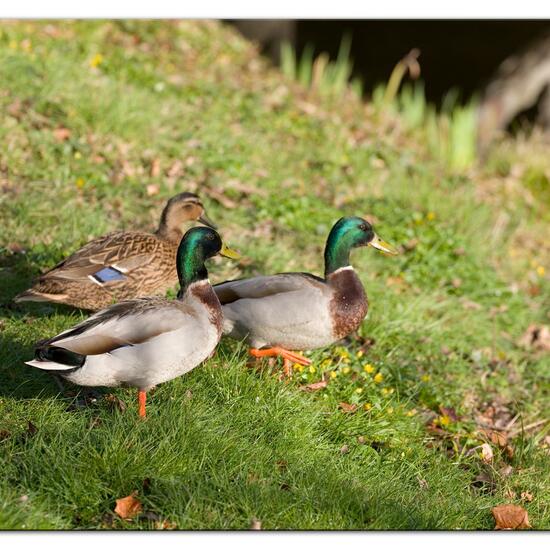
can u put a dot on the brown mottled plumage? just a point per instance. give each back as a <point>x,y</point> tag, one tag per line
<point>120,266</point>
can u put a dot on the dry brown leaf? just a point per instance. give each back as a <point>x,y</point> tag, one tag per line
<point>510,516</point>
<point>486,453</point>
<point>527,496</point>
<point>61,134</point>
<point>316,386</point>
<point>115,402</point>
<point>154,170</point>
<point>255,525</point>
<point>344,449</point>
<point>128,507</point>
<point>470,304</point>
<point>165,525</point>
<point>152,189</point>
<point>537,337</point>
<point>347,407</point>
<point>16,248</point>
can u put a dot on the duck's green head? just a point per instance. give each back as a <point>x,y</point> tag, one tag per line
<point>348,233</point>
<point>196,246</point>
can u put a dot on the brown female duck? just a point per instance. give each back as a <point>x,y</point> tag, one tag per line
<point>122,265</point>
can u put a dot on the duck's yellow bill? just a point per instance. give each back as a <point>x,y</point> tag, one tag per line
<point>378,243</point>
<point>227,252</point>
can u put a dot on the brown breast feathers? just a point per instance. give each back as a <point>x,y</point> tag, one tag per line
<point>349,305</point>
<point>206,294</point>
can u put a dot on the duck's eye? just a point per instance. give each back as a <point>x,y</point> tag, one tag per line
<point>363,227</point>
<point>188,206</point>
<point>210,236</point>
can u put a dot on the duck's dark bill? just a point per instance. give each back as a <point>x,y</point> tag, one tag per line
<point>229,253</point>
<point>378,243</point>
<point>207,221</point>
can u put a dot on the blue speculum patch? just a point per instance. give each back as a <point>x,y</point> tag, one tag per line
<point>108,274</point>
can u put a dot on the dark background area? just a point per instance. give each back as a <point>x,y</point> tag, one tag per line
<point>454,54</point>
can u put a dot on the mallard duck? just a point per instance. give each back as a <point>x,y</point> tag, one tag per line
<point>121,265</point>
<point>146,341</point>
<point>300,311</point>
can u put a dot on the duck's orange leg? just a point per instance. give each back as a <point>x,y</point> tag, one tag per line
<point>142,396</point>
<point>289,357</point>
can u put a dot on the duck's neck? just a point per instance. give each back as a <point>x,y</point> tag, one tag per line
<point>190,265</point>
<point>337,251</point>
<point>170,234</point>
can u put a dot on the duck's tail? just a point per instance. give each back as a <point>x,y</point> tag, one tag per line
<point>55,358</point>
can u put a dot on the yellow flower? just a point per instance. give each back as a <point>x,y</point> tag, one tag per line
<point>298,367</point>
<point>430,216</point>
<point>96,60</point>
<point>412,412</point>
<point>378,378</point>
<point>367,406</point>
<point>312,369</point>
<point>426,378</point>
<point>368,368</point>
<point>80,183</point>
<point>444,420</point>
<point>12,45</point>
<point>360,354</point>
<point>541,270</point>
<point>78,155</point>
<point>333,374</point>
<point>346,370</point>
<point>385,391</point>
<point>390,410</point>
<point>325,363</point>
<point>359,390</point>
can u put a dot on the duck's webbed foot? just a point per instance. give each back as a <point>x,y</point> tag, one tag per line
<point>289,357</point>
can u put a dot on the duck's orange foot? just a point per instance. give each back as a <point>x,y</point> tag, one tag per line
<point>289,357</point>
<point>142,397</point>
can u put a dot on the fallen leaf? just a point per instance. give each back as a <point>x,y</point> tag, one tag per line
<point>506,471</point>
<point>221,198</point>
<point>16,248</point>
<point>61,134</point>
<point>347,407</point>
<point>510,516</point>
<point>527,496</point>
<point>165,525</point>
<point>115,402</point>
<point>537,337</point>
<point>344,449</point>
<point>152,189</point>
<point>128,507</point>
<point>316,386</point>
<point>4,434</point>
<point>486,453</point>
<point>423,484</point>
<point>470,304</point>
<point>255,524</point>
<point>23,498</point>
<point>361,440</point>
<point>154,170</point>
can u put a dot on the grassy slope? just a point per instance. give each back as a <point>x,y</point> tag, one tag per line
<point>191,107</point>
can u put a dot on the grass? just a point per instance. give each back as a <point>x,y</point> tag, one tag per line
<point>157,108</point>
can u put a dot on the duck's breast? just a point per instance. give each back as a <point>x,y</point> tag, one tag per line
<point>349,304</point>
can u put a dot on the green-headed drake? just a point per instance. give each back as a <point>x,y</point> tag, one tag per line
<point>299,311</point>
<point>146,341</point>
